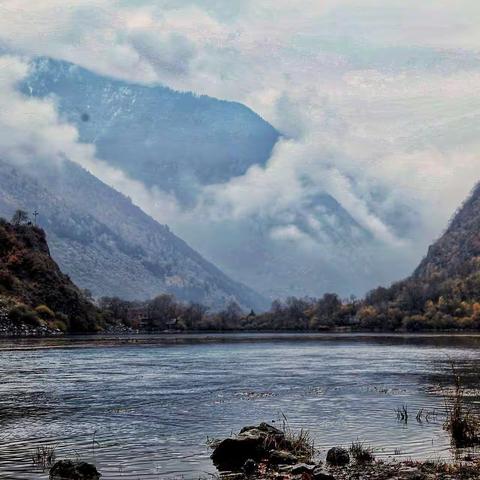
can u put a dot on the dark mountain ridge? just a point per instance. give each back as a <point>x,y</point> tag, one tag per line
<point>34,287</point>
<point>457,251</point>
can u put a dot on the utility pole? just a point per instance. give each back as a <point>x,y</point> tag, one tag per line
<point>35,215</point>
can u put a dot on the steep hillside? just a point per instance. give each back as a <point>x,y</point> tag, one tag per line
<point>457,252</point>
<point>35,288</point>
<point>176,141</point>
<point>108,245</point>
<point>444,291</point>
<point>443,294</point>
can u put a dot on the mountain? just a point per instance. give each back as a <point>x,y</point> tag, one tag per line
<point>181,143</point>
<point>110,246</point>
<point>175,141</point>
<point>444,290</point>
<point>442,294</point>
<point>457,252</point>
<point>33,290</point>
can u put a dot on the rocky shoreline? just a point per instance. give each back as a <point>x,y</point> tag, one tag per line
<point>14,329</point>
<point>266,452</point>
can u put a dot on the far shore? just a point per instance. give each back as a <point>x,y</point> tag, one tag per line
<point>296,333</point>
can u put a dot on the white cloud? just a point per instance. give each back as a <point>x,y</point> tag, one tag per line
<point>377,100</point>
<point>31,131</point>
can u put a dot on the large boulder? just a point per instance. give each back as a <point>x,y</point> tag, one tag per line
<point>252,443</point>
<point>69,470</point>
<point>338,457</point>
<point>232,453</point>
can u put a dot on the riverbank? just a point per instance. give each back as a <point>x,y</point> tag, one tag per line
<point>377,470</point>
<point>11,329</point>
<point>408,470</point>
<point>14,329</point>
<point>265,452</point>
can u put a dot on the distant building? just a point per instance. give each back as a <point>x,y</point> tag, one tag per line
<point>171,324</point>
<point>137,315</point>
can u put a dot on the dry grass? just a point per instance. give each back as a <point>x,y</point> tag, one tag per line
<point>44,456</point>
<point>361,453</point>
<point>402,414</point>
<point>300,442</point>
<point>461,423</point>
<point>426,416</point>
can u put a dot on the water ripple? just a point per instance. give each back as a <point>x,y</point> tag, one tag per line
<point>143,407</point>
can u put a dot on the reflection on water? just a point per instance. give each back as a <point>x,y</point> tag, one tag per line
<point>151,402</point>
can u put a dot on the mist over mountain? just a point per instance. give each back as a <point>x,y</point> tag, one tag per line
<point>175,141</point>
<point>442,294</point>
<point>444,290</point>
<point>184,148</point>
<point>110,246</point>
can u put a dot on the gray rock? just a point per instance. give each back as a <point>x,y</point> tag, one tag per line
<point>69,470</point>
<point>272,435</point>
<point>300,468</point>
<point>338,456</point>
<point>232,476</point>
<point>411,473</point>
<point>249,467</point>
<point>320,474</point>
<point>283,457</point>
<point>232,453</point>
<point>252,443</point>
<point>264,427</point>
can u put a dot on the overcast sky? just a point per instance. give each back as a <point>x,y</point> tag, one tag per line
<point>378,100</point>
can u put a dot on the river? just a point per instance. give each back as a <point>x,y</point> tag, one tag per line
<point>142,407</point>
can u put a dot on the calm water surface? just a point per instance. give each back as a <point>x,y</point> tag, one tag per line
<point>142,407</point>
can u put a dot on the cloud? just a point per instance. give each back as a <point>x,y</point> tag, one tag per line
<point>31,131</point>
<point>377,101</point>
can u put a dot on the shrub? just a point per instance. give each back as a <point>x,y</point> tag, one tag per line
<point>462,425</point>
<point>360,453</point>
<point>44,456</point>
<point>60,324</point>
<point>7,280</point>
<point>62,317</point>
<point>44,312</point>
<point>23,314</point>
<point>301,442</point>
